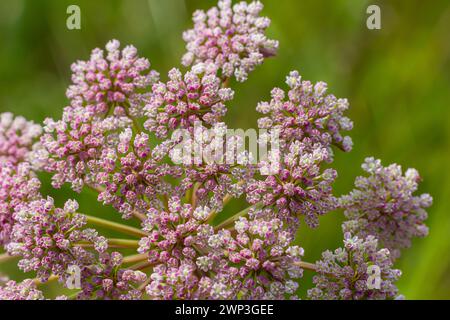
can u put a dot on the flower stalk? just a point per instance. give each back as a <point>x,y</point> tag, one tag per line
<point>228,222</point>
<point>112,243</point>
<point>115,226</point>
<point>117,138</point>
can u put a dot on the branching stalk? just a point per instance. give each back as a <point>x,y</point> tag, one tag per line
<point>116,226</point>
<point>95,188</point>
<point>113,243</point>
<point>307,265</point>
<point>233,218</point>
<point>52,278</point>
<point>139,215</point>
<point>134,258</point>
<point>141,265</point>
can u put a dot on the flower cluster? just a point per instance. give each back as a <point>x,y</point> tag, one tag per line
<point>18,185</point>
<point>171,234</point>
<point>258,262</point>
<point>383,205</point>
<point>49,239</point>
<point>112,84</point>
<point>25,290</point>
<point>159,153</point>
<point>131,174</point>
<point>308,123</point>
<point>232,38</point>
<point>186,99</point>
<point>345,274</point>
<point>17,136</point>
<point>300,187</point>
<point>106,280</point>
<point>307,112</point>
<point>71,147</point>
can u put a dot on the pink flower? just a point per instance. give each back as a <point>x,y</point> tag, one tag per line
<point>17,136</point>
<point>18,185</point>
<point>231,38</point>
<point>112,84</point>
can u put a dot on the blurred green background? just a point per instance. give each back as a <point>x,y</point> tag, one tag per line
<point>397,80</point>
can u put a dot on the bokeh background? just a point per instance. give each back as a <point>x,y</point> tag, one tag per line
<point>397,80</point>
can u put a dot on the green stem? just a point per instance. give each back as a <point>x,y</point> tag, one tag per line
<point>188,196</point>
<point>95,189</point>
<point>6,257</point>
<point>194,194</point>
<point>125,243</point>
<point>214,213</point>
<point>233,218</point>
<point>113,243</point>
<point>165,201</point>
<point>139,216</point>
<point>225,82</point>
<point>115,226</point>
<point>142,286</point>
<point>227,199</point>
<point>137,126</point>
<point>134,258</point>
<point>52,278</point>
<point>338,146</point>
<point>141,265</point>
<point>307,266</point>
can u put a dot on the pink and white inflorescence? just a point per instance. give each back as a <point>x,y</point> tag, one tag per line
<point>18,185</point>
<point>25,290</point>
<point>185,99</point>
<point>17,136</point>
<point>383,205</point>
<point>345,274</point>
<point>179,238</point>
<point>232,37</point>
